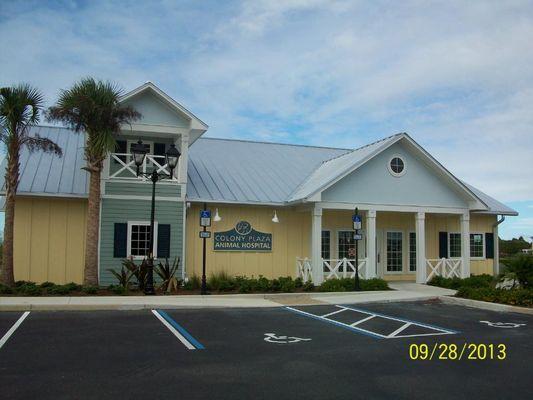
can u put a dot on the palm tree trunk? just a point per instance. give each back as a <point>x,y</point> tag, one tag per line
<point>93,227</point>
<point>12,175</point>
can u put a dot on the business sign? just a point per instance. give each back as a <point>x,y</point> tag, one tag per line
<point>242,238</point>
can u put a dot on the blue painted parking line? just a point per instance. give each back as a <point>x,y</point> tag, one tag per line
<point>180,332</point>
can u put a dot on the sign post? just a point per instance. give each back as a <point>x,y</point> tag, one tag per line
<point>357,223</point>
<point>205,221</point>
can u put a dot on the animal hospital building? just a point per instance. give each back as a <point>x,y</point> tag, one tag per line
<point>284,210</point>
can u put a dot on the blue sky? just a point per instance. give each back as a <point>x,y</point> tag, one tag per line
<point>455,75</point>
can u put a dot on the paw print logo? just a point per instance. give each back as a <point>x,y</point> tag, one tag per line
<point>243,228</point>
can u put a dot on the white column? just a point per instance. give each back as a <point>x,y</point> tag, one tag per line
<point>420,228</point>
<point>184,150</point>
<point>372,266</point>
<point>316,245</point>
<point>465,244</point>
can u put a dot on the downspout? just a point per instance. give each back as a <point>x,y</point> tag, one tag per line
<point>496,260</point>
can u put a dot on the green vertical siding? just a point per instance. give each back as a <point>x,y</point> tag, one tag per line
<point>136,188</point>
<point>122,211</point>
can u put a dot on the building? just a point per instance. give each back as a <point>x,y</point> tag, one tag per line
<point>417,217</point>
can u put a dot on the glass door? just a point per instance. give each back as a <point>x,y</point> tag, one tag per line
<point>394,252</point>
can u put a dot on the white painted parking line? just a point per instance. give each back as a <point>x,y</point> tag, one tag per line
<point>178,331</point>
<point>333,313</point>
<point>362,320</point>
<point>13,329</point>
<point>356,325</point>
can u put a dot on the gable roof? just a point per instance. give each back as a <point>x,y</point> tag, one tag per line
<point>197,126</point>
<point>219,170</point>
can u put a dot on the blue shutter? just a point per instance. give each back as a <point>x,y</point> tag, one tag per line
<point>489,245</point>
<point>443,244</point>
<point>163,241</point>
<point>120,241</point>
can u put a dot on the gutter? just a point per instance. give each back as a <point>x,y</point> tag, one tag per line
<point>496,260</point>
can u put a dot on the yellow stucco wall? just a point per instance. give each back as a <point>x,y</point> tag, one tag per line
<point>49,241</point>
<point>290,239</point>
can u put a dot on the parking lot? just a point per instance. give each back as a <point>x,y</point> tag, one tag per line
<point>323,351</point>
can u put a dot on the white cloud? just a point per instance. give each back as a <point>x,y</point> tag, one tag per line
<point>456,75</point>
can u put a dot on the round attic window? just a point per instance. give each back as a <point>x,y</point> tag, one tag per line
<point>396,166</point>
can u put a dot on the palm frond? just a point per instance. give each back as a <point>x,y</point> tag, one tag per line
<point>41,143</point>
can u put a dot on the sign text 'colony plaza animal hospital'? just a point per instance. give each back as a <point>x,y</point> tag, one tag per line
<point>288,213</point>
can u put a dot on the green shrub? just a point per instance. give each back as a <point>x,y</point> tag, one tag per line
<point>47,284</point>
<point>5,289</point>
<point>518,297</point>
<point>72,287</point>
<point>308,286</point>
<point>90,289</point>
<point>167,273</point>
<point>193,283</point>
<point>246,285</point>
<point>123,277</point>
<point>116,289</point>
<point>263,284</point>
<point>221,282</point>
<point>373,284</point>
<point>286,284</point>
<point>22,283</point>
<point>521,267</point>
<point>59,290</point>
<point>298,283</point>
<point>139,272</point>
<point>28,289</point>
<point>474,281</point>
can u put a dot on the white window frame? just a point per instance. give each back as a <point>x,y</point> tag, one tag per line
<point>483,245</point>
<point>402,271</point>
<point>128,247</point>
<point>397,175</point>
<point>337,241</point>
<point>450,242</point>
<point>409,252</point>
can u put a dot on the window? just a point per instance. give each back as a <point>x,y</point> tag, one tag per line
<point>139,239</point>
<point>455,245</point>
<point>346,242</point>
<point>412,251</point>
<point>477,248</point>
<point>326,242</point>
<point>394,252</point>
<point>396,166</point>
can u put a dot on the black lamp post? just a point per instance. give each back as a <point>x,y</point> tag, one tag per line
<point>172,156</point>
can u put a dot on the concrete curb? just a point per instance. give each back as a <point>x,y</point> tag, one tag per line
<point>483,305</point>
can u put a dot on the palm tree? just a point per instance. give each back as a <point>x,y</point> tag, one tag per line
<point>20,108</point>
<point>92,106</point>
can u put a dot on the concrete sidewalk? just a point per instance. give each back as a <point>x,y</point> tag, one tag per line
<point>401,292</point>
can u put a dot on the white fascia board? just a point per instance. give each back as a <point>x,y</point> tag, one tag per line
<point>393,208</point>
<point>232,202</point>
<point>57,195</point>
<point>353,167</point>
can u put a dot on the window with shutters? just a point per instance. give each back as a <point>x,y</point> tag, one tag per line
<point>454,243</point>
<point>139,239</point>
<point>477,245</point>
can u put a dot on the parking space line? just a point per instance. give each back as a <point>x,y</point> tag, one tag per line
<point>341,324</point>
<point>434,327</point>
<point>362,320</point>
<point>400,329</point>
<point>177,330</point>
<point>13,328</point>
<point>333,313</point>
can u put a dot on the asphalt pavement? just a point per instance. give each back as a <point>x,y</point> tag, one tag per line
<point>314,352</point>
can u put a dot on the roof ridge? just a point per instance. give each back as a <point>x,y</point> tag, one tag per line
<point>277,143</point>
<point>364,146</point>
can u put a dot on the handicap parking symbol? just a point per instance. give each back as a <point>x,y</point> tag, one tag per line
<point>282,339</point>
<point>502,324</point>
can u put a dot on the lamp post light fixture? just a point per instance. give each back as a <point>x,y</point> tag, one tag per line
<point>171,156</point>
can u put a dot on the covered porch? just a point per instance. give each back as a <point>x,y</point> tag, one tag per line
<point>400,244</point>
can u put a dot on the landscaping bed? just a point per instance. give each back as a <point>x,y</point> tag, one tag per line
<point>216,284</point>
<point>514,286</point>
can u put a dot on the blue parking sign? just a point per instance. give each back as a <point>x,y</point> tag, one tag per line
<point>205,213</point>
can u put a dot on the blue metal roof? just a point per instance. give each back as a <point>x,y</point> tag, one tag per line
<point>219,170</point>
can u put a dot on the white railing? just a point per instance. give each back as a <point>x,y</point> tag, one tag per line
<point>304,269</point>
<point>334,268</point>
<point>122,166</point>
<point>343,268</point>
<point>445,267</point>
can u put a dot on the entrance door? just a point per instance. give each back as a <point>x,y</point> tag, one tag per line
<point>394,252</point>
